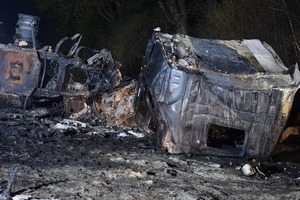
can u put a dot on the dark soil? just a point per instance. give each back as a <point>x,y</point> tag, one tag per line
<point>97,164</point>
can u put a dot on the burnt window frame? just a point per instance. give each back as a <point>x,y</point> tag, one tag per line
<point>232,151</point>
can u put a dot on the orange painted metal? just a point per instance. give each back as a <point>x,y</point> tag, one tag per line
<point>19,70</point>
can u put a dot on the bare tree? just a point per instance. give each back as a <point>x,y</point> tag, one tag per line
<point>175,12</point>
<point>288,14</point>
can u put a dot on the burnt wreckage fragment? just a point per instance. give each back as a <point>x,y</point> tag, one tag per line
<point>66,78</point>
<point>228,98</point>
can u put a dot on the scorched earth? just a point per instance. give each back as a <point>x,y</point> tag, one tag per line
<point>95,161</point>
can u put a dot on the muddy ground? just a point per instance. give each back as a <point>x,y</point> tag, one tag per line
<point>102,162</point>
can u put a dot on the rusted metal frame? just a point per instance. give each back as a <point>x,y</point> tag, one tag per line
<point>62,63</point>
<point>83,47</point>
<point>26,99</point>
<point>74,47</point>
<point>32,33</point>
<point>44,69</point>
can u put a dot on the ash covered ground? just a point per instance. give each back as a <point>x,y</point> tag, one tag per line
<point>96,161</point>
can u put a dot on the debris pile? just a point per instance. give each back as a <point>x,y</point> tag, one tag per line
<point>117,107</point>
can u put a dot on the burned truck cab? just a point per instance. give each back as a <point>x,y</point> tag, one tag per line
<point>218,97</point>
<point>58,77</point>
<point>19,69</point>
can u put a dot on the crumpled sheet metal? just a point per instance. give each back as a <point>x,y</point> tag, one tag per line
<point>194,83</point>
<point>117,107</point>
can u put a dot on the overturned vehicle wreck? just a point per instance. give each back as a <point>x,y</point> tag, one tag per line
<point>227,98</point>
<point>65,78</point>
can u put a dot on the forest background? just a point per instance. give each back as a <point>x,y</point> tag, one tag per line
<point>125,26</point>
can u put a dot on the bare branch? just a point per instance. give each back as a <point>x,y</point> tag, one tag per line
<point>296,46</point>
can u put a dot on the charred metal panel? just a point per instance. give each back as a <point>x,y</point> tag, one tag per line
<point>19,69</point>
<point>216,97</point>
